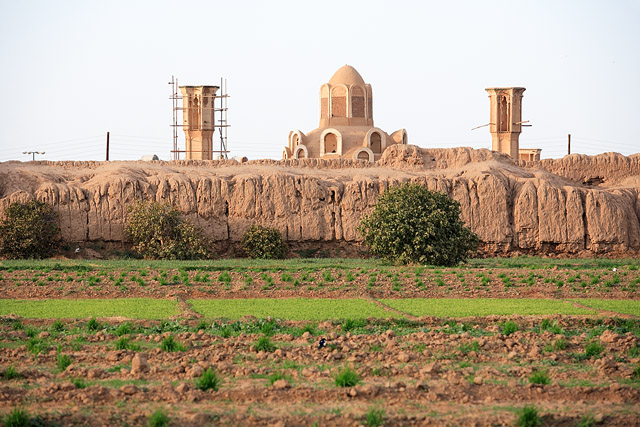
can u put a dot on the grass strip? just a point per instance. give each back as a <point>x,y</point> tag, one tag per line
<point>290,308</point>
<point>449,307</point>
<point>133,308</point>
<point>619,306</point>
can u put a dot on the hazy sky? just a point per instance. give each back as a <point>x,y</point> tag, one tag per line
<point>73,70</point>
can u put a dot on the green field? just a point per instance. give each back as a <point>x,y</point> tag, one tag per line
<point>298,264</point>
<point>291,309</point>
<point>446,307</point>
<point>132,308</point>
<point>315,309</point>
<point>619,306</point>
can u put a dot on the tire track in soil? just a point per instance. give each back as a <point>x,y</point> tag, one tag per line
<point>389,308</point>
<point>601,312</point>
<point>186,311</point>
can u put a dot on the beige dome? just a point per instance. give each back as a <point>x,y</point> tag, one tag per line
<point>346,75</point>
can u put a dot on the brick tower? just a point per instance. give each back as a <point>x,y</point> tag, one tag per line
<point>198,121</point>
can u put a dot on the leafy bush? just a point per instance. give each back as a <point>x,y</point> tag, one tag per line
<point>374,417</point>
<point>36,346</point>
<point>351,324</point>
<point>159,419</point>
<point>209,380</point>
<point>587,420</point>
<point>347,378</point>
<point>125,343</point>
<point>124,329</point>
<point>539,377</point>
<point>264,344</point>
<point>593,349</point>
<point>57,326</point>
<point>412,224</point>
<point>63,361</point>
<point>264,242</point>
<point>276,376</point>
<point>29,230</point>
<point>509,327</point>
<point>93,324</point>
<point>79,382</point>
<point>169,344</point>
<point>158,231</point>
<point>17,418</point>
<point>528,417</point>
<point>10,373</point>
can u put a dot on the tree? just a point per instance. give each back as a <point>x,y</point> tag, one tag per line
<point>264,242</point>
<point>29,230</point>
<point>411,224</point>
<point>158,231</point>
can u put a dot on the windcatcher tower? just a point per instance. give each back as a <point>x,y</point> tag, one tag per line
<point>198,121</point>
<point>506,119</point>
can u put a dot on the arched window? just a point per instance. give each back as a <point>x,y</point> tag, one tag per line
<point>357,101</point>
<point>339,101</point>
<point>300,152</point>
<point>504,115</point>
<point>376,143</point>
<point>330,143</point>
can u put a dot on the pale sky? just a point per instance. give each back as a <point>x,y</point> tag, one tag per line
<point>72,70</point>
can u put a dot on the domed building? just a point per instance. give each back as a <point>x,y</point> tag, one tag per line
<point>346,124</point>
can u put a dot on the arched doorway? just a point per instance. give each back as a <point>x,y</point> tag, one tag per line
<point>376,143</point>
<point>330,143</point>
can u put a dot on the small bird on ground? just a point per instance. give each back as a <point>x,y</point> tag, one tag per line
<point>615,269</point>
<point>322,343</point>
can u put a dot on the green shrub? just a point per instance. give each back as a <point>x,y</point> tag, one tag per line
<point>158,231</point>
<point>264,344</point>
<point>63,361</point>
<point>636,372</point>
<point>593,349</point>
<point>509,327</point>
<point>29,230</point>
<point>276,376</point>
<point>209,380</point>
<point>79,382</point>
<point>374,417</point>
<point>351,324</point>
<point>57,326</point>
<point>347,378</point>
<point>125,343</point>
<point>159,419</point>
<point>264,242</point>
<point>411,224</point>
<point>587,420</point>
<point>17,418</point>
<point>124,329</point>
<point>36,346</point>
<point>528,417</point>
<point>10,373</point>
<point>169,344</point>
<point>93,324</point>
<point>539,377</point>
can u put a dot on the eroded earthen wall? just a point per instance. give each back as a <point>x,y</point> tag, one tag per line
<point>510,208</point>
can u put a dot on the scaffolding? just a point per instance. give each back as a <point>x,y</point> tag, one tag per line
<point>221,123</point>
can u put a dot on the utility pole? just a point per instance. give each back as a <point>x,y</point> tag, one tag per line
<point>107,146</point>
<point>568,144</point>
<point>33,154</point>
